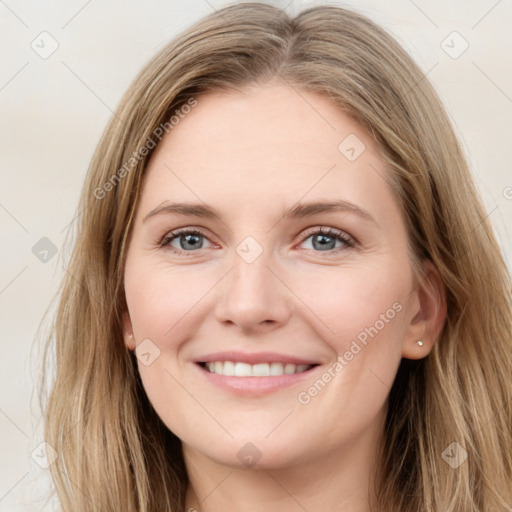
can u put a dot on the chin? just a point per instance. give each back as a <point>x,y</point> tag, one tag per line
<point>256,453</point>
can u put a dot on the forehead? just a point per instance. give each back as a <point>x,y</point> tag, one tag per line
<point>271,144</point>
<point>273,121</point>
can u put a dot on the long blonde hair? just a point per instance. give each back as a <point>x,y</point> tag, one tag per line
<point>114,451</point>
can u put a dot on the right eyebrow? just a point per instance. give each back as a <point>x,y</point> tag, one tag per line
<point>195,209</point>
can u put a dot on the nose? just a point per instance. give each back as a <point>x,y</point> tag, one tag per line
<point>253,297</point>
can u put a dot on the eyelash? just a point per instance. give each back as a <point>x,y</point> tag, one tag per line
<point>348,241</point>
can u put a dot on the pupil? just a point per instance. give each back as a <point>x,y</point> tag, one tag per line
<point>188,241</point>
<point>320,239</point>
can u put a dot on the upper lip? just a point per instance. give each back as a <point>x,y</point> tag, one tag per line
<point>254,358</point>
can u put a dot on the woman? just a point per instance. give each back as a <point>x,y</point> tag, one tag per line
<point>285,293</point>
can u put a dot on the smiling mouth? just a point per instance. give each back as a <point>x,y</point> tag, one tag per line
<point>239,369</point>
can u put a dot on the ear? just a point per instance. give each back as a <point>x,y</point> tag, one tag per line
<point>129,338</point>
<point>429,314</point>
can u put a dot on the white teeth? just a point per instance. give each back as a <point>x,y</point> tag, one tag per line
<point>260,370</point>
<point>242,369</point>
<point>229,368</point>
<point>276,369</point>
<point>289,368</point>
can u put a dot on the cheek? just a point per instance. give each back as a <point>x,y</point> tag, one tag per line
<point>161,297</point>
<point>164,303</point>
<point>355,303</point>
<point>362,317</point>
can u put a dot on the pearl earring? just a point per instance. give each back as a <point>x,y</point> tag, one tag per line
<point>130,336</point>
<point>420,343</point>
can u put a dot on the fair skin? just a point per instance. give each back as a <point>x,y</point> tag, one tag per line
<point>250,156</point>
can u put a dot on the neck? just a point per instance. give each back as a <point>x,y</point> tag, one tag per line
<point>340,479</point>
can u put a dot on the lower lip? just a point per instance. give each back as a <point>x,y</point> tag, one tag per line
<point>255,386</point>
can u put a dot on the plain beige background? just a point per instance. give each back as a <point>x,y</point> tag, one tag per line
<point>54,107</point>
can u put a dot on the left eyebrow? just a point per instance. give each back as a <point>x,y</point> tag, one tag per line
<point>297,211</point>
<point>301,210</point>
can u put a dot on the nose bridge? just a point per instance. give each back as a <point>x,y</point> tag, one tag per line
<point>251,294</point>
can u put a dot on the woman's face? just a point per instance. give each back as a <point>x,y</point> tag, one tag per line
<point>295,285</point>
